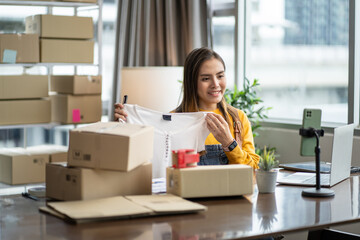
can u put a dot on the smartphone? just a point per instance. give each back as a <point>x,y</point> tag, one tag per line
<point>311,119</point>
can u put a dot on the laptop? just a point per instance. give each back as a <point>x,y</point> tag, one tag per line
<point>306,166</point>
<point>340,162</point>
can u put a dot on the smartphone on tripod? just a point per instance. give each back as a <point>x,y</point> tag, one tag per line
<point>311,119</point>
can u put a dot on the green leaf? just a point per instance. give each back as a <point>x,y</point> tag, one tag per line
<point>248,100</point>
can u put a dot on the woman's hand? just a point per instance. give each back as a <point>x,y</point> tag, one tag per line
<point>219,128</point>
<point>119,112</point>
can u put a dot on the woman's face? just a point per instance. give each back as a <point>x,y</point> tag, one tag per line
<point>211,84</point>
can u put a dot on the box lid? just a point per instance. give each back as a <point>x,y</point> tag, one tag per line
<point>114,128</point>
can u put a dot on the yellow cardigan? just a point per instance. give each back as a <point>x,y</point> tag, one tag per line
<point>246,154</point>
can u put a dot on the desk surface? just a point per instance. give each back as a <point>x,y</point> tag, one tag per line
<point>227,218</point>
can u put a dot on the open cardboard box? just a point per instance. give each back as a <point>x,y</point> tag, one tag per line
<point>111,146</point>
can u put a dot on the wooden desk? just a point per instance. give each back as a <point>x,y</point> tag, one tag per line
<point>248,217</point>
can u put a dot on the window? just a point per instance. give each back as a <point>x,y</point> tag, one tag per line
<point>299,52</point>
<point>223,30</point>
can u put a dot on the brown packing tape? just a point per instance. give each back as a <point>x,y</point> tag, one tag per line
<point>98,144</point>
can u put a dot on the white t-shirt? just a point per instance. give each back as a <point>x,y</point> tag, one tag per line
<point>173,131</point>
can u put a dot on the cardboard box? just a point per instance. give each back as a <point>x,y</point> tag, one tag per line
<point>19,48</point>
<point>23,86</point>
<point>18,166</point>
<point>210,181</point>
<point>25,111</point>
<point>75,109</point>
<point>111,145</point>
<point>68,183</point>
<point>57,153</point>
<point>54,26</point>
<point>76,85</point>
<point>66,51</point>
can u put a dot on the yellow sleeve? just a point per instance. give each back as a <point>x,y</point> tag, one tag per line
<point>246,154</point>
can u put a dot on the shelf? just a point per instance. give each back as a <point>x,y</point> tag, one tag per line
<point>44,125</point>
<point>104,118</point>
<point>47,3</point>
<point>46,64</point>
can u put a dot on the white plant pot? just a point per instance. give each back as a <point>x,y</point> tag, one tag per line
<point>266,180</point>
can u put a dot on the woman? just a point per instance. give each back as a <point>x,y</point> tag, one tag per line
<point>231,140</point>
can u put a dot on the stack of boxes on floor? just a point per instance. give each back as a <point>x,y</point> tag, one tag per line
<point>105,159</point>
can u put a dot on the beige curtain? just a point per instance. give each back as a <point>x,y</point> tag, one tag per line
<point>157,33</point>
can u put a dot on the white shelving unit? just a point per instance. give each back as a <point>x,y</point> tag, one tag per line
<point>77,8</point>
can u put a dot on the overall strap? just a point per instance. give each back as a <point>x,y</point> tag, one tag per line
<point>237,132</point>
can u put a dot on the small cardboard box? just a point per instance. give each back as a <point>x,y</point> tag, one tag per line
<point>111,145</point>
<point>66,51</point>
<point>210,181</point>
<point>57,153</point>
<point>68,183</point>
<point>75,109</point>
<point>76,85</point>
<point>19,48</point>
<point>54,26</point>
<point>23,86</point>
<point>18,166</point>
<point>25,111</point>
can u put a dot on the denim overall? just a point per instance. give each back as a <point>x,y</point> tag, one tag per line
<point>215,155</point>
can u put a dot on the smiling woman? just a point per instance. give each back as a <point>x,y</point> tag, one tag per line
<point>231,140</point>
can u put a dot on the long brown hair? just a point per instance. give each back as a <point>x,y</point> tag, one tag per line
<point>190,101</point>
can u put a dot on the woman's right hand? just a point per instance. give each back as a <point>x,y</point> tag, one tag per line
<point>119,112</point>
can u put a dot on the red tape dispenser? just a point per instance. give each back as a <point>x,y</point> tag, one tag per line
<point>184,158</point>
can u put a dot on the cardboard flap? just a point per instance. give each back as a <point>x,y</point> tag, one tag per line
<point>121,207</point>
<point>113,128</point>
<point>99,208</point>
<point>166,203</point>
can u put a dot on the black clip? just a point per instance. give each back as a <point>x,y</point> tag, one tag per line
<point>310,132</point>
<point>166,117</point>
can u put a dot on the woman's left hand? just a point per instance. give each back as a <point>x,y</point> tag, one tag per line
<point>219,128</point>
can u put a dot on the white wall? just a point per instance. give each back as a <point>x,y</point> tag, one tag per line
<point>287,143</point>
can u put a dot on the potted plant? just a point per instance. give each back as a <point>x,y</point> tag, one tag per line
<point>267,173</point>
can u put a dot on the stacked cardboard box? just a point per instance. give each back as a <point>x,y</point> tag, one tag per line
<point>24,99</point>
<point>27,165</point>
<point>104,160</point>
<point>19,48</point>
<point>63,39</point>
<point>78,99</point>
